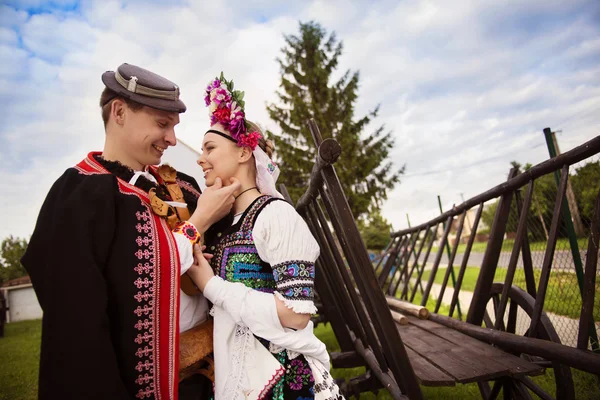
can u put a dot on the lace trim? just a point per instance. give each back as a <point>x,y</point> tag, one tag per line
<point>292,354</point>
<point>240,354</point>
<point>273,348</point>
<point>298,306</point>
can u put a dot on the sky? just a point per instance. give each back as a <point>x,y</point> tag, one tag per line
<point>465,86</point>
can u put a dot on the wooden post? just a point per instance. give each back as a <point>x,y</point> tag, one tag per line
<point>404,294</point>
<point>491,257</point>
<point>422,269</point>
<point>465,260</point>
<point>526,253</point>
<point>359,261</point>
<point>436,263</point>
<point>586,320</point>
<point>450,268</point>
<point>549,254</point>
<point>514,257</point>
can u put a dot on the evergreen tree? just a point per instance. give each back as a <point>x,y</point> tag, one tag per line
<point>307,91</point>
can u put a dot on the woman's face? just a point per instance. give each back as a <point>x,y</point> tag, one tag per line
<point>219,157</point>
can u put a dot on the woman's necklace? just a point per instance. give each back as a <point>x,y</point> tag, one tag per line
<point>241,212</point>
<point>245,191</point>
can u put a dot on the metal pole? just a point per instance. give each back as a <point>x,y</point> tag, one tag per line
<point>566,214</point>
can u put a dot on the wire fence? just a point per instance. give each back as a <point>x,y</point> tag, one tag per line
<point>563,300</point>
<point>563,297</point>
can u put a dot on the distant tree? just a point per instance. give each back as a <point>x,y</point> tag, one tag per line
<point>375,231</point>
<point>11,251</point>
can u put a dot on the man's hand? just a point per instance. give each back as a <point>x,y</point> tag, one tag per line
<point>214,203</point>
<point>200,271</point>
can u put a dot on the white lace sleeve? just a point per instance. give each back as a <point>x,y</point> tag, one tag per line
<point>283,239</point>
<point>186,252</point>
<point>193,310</point>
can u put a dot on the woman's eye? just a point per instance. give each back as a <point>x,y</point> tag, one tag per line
<point>162,124</point>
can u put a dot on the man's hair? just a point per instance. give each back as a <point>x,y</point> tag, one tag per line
<point>106,99</point>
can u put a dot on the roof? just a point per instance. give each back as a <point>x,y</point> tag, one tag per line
<point>24,280</point>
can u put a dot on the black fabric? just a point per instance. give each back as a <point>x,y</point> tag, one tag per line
<point>77,261</point>
<point>196,387</point>
<point>82,262</point>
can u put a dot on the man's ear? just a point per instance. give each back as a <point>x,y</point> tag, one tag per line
<point>117,111</point>
<point>245,154</point>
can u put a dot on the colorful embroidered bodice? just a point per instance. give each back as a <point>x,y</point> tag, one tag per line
<point>235,256</point>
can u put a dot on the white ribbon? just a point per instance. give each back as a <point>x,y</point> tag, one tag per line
<point>267,173</point>
<point>146,174</point>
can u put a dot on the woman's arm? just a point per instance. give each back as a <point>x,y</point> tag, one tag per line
<point>201,273</point>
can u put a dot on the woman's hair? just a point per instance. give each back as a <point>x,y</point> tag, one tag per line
<point>106,99</point>
<point>267,145</point>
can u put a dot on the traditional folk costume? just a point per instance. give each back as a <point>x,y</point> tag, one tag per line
<point>105,267</point>
<point>266,250</point>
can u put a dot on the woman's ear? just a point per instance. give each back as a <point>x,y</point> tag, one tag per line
<point>245,154</point>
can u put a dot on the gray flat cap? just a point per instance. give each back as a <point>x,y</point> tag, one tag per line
<point>144,87</point>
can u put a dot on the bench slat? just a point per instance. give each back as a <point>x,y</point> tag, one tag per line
<point>517,366</point>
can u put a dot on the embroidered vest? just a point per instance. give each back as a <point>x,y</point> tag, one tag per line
<point>236,258</point>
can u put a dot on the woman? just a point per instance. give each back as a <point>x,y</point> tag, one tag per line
<point>261,276</point>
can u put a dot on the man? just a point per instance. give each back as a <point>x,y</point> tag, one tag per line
<point>103,258</point>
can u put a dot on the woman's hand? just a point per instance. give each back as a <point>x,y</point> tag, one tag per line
<point>201,271</point>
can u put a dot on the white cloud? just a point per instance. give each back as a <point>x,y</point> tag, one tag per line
<point>465,82</point>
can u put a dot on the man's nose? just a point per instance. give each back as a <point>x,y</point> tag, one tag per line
<point>170,138</point>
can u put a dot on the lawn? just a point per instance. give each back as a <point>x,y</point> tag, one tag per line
<point>507,245</point>
<point>562,297</point>
<point>19,355</point>
<point>19,359</point>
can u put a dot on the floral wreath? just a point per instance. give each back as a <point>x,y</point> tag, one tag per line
<point>226,106</point>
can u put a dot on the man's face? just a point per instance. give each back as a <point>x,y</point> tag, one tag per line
<point>148,133</point>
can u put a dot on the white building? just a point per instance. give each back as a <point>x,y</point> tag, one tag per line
<point>183,158</point>
<point>21,301</point>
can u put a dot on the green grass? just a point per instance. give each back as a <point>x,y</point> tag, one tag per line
<point>587,386</point>
<point>507,245</point>
<point>19,357</point>
<point>562,296</point>
<point>19,360</point>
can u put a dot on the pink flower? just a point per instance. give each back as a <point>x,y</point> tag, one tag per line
<point>222,115</point>
<point>249,140</point>
<point>237,128</point>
